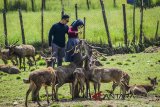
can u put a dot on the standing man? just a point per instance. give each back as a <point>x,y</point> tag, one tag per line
<point>56,39</point>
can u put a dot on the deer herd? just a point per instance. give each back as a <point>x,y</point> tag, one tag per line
<point>84,69</point>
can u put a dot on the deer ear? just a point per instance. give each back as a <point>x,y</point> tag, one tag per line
<point>149,78</point>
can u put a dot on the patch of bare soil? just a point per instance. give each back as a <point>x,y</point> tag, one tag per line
<point>152,49</point>
<point>151,100</point>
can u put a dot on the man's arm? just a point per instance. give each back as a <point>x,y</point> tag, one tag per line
<point>51,35</point>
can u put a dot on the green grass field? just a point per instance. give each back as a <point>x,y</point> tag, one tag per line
<point>95,30</point>
<point>138,66</point>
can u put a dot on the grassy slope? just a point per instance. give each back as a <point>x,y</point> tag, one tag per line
<point>139,67</point>
<point>94,22</point>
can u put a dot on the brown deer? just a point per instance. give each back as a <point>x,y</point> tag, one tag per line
<point>9,69</point>
<point>50,61</point>
<point>21,52</point>
<point>65,73</point>
<point>142,89</point>
<point>79,79</point>
<point>37,78</point>
<point>5,56</point>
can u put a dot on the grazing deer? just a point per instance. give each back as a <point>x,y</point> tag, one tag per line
<point>5,56</point>
<point>37,78</point>
<point>22,51</point>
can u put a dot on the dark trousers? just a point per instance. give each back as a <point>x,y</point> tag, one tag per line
<point>59,53</point>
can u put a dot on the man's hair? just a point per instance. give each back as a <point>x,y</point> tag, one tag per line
<point>65,16</point>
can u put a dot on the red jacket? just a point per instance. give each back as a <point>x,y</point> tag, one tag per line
<point>72,32</point>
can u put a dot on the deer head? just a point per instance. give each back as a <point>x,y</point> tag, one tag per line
<point>153,81</point>
<point>50,61</point>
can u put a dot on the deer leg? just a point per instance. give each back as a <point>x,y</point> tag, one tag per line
<point>24,64</point>
<point>47,94</point>
<point>95,88</point>
<point>13,62</point>
<point>73,88</point>
<point>37,94</point>
<point>53,90</point>
<point>87,88</point>
<point>99,85</point>
<point>28,92</point>
<point>114,87</point>
<point>57,87</point>
<point>33,57</point>
<point>5,61</point>
<point>20,62</point>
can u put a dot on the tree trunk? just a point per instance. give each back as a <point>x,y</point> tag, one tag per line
<point>22,28</point>
<point>141,24</point>
<point>125,25</point>
<point>105,23</point>
<point>32,2</point>
<point>156,34</point>
<point>87,1</point>
<point>134,34</point>
<point>5,27</point>
<point>76,11</point>
<point>84,30</point>
<point>114,3</point>
<point>42,30</point>
<point>5,5</point>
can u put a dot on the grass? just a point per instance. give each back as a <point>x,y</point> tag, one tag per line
<point>95,30</point>
<point>138,66</point>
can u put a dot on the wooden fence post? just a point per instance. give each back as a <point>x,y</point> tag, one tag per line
<point>114,3</point>
<point>141,24</point>
<point>87,1</point>
<point>156,34</point>
<point>5,5</point>
<point>5,27</point>
<point>32,2</point>
<point>62,12</point>
<point>76,11</point>
<point>21,24</point>
<point>105,23</point>
<point>125,25</point>
<point>42,30</point>
<point>44,3</point>
<point>134,33</point>
<point>84,29</point>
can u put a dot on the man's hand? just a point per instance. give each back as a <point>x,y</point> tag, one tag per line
<point>80,32</point>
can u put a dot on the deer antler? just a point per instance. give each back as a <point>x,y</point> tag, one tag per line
<point>43,55</point>
<point>14,43</point>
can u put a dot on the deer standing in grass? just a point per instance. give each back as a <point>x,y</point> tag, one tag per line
<point>21,52</point>
<point>38,78</point>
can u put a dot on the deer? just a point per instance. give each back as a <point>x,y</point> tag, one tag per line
<point>65,73</point>
<point>104,75</point>
<point>79,79</point>
<point>21,52</point>
<point>50,61</point>
<point>9,69</point>
<point>141,89</point>
<point>38,78</point>
<point>5,56</point>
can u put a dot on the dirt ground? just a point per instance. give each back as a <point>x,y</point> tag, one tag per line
<point>150,101</point>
